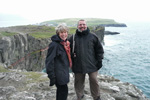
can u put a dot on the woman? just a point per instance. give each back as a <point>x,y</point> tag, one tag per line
<point>58,61</point>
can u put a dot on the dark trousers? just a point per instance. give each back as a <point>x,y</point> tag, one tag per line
<point>62,92</point>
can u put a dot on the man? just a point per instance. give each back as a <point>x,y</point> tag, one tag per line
<point>87,59</point>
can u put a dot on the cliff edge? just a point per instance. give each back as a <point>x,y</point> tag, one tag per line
<point>23,85</point>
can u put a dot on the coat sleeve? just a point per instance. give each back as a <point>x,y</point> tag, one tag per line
<point>99,52</point>
<point>51,54</point>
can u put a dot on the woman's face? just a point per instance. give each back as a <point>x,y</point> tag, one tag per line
<point>63,35</point>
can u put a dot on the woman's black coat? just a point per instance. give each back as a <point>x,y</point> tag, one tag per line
<point>57,63</point>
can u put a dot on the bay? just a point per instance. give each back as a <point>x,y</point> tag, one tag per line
<point>127,56</point>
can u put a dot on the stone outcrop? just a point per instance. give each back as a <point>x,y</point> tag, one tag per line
<point>22,85</point>
<point>111,33</point>
<point>99,31</point>
<point>23,51</point>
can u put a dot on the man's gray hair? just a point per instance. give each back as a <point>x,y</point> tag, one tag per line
<point>61,28</point>
<point>81,20</point>
<point>78,24</point>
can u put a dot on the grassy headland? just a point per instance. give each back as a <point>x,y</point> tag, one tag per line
<point>72,22</point>
<point>47,29</point>
<point>6,33</point>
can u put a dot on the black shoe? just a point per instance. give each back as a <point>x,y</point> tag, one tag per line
<point>82,97</point>
<point>98,98</point>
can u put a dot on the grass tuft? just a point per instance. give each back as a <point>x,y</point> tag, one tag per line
<point>5,33</point>
<point>2,69</point>
<point>35,77</point>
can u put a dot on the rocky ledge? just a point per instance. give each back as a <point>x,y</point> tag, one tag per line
<point>23,85</point>
<point>111,33</point>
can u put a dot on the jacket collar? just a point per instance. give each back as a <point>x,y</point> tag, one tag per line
<point>56,38</point>
<point>85,32</point>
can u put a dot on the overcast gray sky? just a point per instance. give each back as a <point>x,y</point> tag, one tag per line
<point>43,10</point>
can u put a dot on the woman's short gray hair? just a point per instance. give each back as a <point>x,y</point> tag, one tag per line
<point>61,28</point>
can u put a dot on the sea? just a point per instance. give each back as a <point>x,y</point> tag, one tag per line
<point>127,55</point>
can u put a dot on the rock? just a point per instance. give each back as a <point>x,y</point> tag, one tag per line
<point>23,50</point>
<point>111,33</point>
<point>99,31</point>
<point>16,85</point>
<point>22,96</point>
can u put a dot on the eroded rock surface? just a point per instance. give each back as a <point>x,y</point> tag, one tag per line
<point>15,85</point>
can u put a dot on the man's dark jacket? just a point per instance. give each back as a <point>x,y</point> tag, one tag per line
<point>57,63</point>
<point>88,52</point>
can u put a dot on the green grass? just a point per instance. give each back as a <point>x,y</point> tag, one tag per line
<point>48,34</point>
<point>35,77</point>
<point>72,30</point>
<point>5,33</point>
<point>41,34</point>
<point>40,31</point>
<point>33,30</point>
<point>36,31</point>
<point>2,69</point>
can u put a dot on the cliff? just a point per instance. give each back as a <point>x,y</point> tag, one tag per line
<point>23,51</point>
<point>23,85</point>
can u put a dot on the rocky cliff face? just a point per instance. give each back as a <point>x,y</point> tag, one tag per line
<point>23,51</point>
<point>99,31</point>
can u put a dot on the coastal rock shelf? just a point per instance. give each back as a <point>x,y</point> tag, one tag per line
<point>22,85</point>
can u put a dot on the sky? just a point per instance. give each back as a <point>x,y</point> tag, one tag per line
<point>37,11</point>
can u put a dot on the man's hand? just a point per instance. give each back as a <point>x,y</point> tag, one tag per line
<point>52,81</point>
<point>99,65</point>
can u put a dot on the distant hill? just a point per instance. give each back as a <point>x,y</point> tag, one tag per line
<point>47,28</point>
<point>72,22</point>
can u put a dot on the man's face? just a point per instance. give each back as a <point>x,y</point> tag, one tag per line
<point>82,26</point>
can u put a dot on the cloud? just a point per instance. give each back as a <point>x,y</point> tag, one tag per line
<point>42,10</point>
